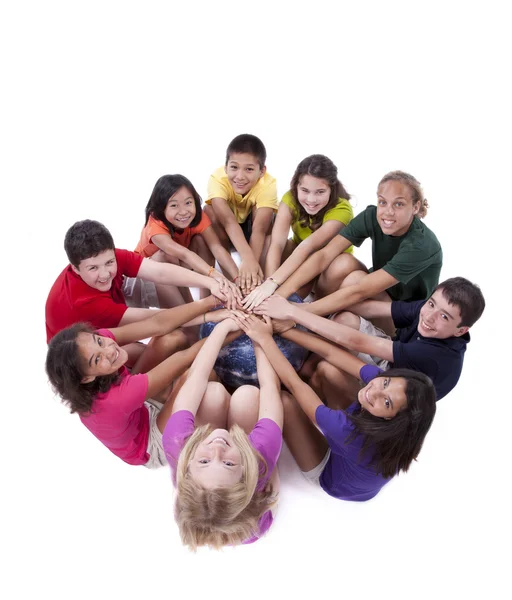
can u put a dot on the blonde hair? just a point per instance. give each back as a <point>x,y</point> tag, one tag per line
<point>224,515</point>
<point>415,187</point>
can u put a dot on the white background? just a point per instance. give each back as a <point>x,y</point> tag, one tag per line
<point>99,99</point>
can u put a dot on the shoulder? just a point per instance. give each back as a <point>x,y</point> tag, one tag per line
<point>369,372</point>
<point>289,201</point>
<point>127,259</point>
<point>342,211</point>
<point>332,423</point>
<point>179,427</point>
<point>106,333</point>
<point>154,226</point>
<point>420,235</point>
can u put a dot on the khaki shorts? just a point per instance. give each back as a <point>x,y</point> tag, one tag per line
<point>370,329</point>
<point>155,447</point>
<point>313,476</point>
<point>139,293</point>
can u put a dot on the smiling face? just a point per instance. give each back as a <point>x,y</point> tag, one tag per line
<point>243,171</point>
<point>216,461</point>
<point>395,209</point>
<point>181,208</point>
<point>439,319</point>
<point>384,396</point>
<point>313,194</point>
<point>98,271</point>
<point>100,355</point>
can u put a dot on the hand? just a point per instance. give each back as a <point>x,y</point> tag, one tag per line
<point>261,293</point>
<point>255,327</point>
<point>225,284</point>
<point>280,326</point>
<point>230,324</point>
<point>276,307</point>
<point>250,275</point>
<point>216,291</point>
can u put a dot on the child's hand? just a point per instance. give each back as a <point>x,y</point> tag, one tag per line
<point>230,324</point>
<point>216,290</point>
<point>261,293</point>
<point>225,284</point>
<point>280,326</point>
<point>276,307</point>
<point>250,275</point>
<point>256,328</point>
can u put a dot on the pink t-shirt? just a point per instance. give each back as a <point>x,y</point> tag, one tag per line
<point>119,419</point>
<point>266,438</point>
<point>71,300</point>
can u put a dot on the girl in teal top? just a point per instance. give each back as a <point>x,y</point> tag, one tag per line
<point>316,208</point>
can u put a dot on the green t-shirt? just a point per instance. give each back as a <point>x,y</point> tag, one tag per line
<point>415,258</point>
<point>342,212</point>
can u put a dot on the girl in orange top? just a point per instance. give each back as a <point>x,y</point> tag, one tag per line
<point>178,231</point>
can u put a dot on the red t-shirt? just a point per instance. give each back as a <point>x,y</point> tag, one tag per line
<point>119,419</point>
<point>71,300</point>
<point>146,248</point>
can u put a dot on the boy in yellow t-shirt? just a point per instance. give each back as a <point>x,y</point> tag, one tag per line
<point>241,202</point>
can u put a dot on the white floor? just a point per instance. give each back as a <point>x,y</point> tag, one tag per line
<point>101,103</point>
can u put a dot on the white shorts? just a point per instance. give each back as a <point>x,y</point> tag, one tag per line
<point>139,293</point>
<point>155,447</point>
<point>370,329</point>
<point>313,476</point>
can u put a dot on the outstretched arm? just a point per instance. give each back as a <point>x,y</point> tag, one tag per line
<point>164,321</point>
<point>304,250</point>
<point>315,264</point>
<point>368,287</point>
<point>221,255</point>
<point>260,334</point>
<point>278,308</point>
<point>192,391</point>
<point>334,355</point>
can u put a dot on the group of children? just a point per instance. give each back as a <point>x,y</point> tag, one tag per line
<point>385,343</point>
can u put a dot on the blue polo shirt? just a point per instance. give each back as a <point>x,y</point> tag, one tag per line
<point>441,360</point>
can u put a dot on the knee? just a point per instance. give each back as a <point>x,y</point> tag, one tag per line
<point>347,318</point>
<point>172,342</point>
<point>216,397</point>
<point>354,277</point>
<point>245,398</point>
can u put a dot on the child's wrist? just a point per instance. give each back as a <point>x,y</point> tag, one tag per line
<point>276,283</point>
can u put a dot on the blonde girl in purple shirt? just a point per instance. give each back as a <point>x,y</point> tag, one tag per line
<point>226,480</point>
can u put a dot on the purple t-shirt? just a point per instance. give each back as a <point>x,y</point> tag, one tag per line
<point>347,476</point>
<point>266,438</point>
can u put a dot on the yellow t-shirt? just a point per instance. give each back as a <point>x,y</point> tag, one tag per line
<point>342,212</point>
<point>263,194</point>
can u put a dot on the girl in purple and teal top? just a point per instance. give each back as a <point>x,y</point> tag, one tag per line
<point>351,454</point>
<point>226,480</point>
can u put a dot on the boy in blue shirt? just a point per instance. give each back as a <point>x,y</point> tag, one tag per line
<point>431,335</point>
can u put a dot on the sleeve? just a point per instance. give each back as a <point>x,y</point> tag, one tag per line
<point>267,439</point>
<point>335,425</point>
<point>342,212</point>
<point>405,313</point>
<point>203,224</point>
<point>128,263</point>
<point>156,227</point>
<point>179,428</point>
<point>357,230</point>
<point>130,393</point>
<point>410,260</point>
<point>369,372</point>
<point>290,203</point>
<point>217,188</point>
<point>267,195</point>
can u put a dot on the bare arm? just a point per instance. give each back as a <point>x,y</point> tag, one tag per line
<point>161,322</point>
<point>370,285</point>
<point>334,355</point>
<point>131,315</point>
<point>169,274</point>
<point>192,391</point>
<point>271,406</point>
<point>260,227</point>
<point>172,248</point>
<point>279,237</point>
<point>315,241</point>
<point>222,256</point>
<point>315,264</point>
<point>372,309</point>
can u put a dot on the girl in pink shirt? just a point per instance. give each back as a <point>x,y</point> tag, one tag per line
<point>226,480</point>
<point>87,369</point>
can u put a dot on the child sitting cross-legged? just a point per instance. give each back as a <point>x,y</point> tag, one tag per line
<point>351,454</point>
<point>223,454</point>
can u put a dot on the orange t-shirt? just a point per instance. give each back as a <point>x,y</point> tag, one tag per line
<point>154,227</point>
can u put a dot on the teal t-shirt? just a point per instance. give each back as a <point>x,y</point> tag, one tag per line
<point>415,258</point>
